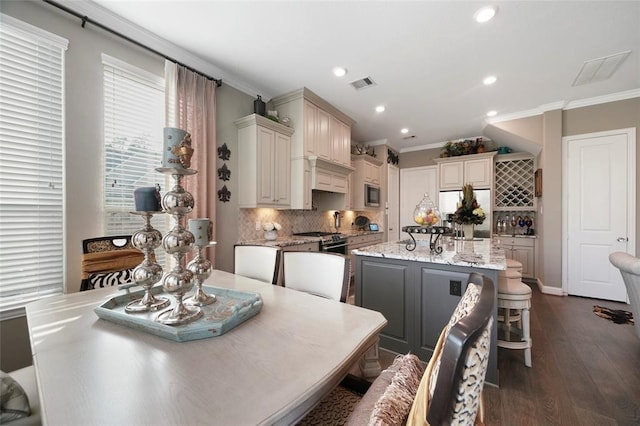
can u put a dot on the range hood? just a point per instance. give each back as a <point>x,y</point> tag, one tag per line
<point>329,176</point>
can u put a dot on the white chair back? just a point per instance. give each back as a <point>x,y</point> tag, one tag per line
<point>322,274</point>
<point>258,262</point>
<point>629,267</point>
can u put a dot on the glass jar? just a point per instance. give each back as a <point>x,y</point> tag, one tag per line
<point>426,213</point>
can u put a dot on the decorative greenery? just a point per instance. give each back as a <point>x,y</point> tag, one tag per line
<point>469,211</point>
<point>464,147</point>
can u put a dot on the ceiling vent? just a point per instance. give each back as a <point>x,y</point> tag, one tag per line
<point>363,83</point>
<point>600,69</point>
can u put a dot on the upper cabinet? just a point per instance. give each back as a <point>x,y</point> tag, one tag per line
<point>367,172</point>
<point>264,158</point>
<point>320,151</point>
<point>476,169</point>
<point>514,182</point>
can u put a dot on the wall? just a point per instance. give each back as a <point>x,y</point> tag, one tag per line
<point>418,158</point>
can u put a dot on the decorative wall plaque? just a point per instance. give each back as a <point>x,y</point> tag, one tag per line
<point>224,173</point>
<point>224,194</point>
<point>223,152</point>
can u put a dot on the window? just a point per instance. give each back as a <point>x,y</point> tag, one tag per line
<point>133,122</point>
<point>31,164</point>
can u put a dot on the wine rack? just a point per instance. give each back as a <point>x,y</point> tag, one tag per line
<point>514,183</point>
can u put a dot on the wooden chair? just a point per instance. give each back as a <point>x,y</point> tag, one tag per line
<point>108,261</point>
<point>629,267</point>
<point>322,274</point>
<point>259,262</point>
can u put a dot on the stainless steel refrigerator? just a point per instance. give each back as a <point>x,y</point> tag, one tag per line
<point>448,203</point>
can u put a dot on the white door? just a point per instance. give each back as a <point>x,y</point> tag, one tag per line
<point>393,203</point>
<point>414,183</point>
<point>599,213</point>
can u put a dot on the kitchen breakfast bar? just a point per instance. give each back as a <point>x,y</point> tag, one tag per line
<point>417,291</point>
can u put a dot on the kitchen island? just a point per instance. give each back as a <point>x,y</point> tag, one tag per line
<point>417,291</point>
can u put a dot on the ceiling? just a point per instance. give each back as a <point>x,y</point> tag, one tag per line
<point>427,58</point>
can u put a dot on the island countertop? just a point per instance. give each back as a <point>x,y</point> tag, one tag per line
<point>480,253</point>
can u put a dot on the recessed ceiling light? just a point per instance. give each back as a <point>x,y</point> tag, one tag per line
<point>485,14</point>
<point>492,113</point>
<point>339,71</point>
<point>405,130</point>
<point>380,108</point>
<point>490,80</point>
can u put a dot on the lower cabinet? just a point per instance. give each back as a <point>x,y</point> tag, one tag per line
<point>417,299</point>
<point>523,250</point>
<point>359,241</point>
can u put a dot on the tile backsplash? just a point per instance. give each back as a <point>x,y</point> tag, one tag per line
<point>294,221</point>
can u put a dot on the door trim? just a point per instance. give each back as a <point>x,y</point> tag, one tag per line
<point>631,205</point>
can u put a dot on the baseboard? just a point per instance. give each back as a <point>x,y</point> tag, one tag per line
<point>554,291</point>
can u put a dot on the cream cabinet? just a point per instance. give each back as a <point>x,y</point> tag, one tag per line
<point>522,250</point>
<point>320,151</point>
<point>264,158</point>
<point>367,171</point>
<point>476,169</point>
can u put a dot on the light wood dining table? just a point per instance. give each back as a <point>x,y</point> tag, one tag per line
<point>271,369</point>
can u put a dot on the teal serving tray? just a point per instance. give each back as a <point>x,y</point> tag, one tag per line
<point>231,309</point>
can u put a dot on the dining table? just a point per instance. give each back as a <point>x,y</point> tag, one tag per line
<point>272,368</point>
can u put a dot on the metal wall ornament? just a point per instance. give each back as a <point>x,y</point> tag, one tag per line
<point>224,173</point>
<point>224,194</point>
<point>224,153</point>
<point>392,157</point>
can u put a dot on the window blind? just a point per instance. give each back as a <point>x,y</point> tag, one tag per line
<point>133,123</point>
<point>31,164</point>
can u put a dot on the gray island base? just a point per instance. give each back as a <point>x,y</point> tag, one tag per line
<point>417,291</point>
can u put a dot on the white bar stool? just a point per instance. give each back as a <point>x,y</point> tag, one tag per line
<point>513,294</point>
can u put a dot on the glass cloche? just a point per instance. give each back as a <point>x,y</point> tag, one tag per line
<point>426,213</point>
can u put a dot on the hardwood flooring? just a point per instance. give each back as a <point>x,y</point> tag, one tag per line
<point>585,369</point>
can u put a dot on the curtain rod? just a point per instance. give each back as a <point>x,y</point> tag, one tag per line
<point>86,19</point>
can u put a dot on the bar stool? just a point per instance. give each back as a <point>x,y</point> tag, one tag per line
<point>513,294</point>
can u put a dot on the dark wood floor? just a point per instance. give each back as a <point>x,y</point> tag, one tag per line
<point>585,369</point>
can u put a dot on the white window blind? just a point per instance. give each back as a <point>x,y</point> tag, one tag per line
<point>133,124</point>
<point>31,164</point>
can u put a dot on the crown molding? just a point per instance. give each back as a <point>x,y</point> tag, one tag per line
<point>147,38</point>
<point>578,103</point>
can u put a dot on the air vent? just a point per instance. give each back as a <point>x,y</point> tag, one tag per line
<point>363,83</point>
<point>408,137</point>
<point>600,69</point>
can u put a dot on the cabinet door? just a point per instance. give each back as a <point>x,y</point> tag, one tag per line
<point>525,255</point>
<point>282,169</point>
<point>451,175</point>
<point>266,150</point>
<point>478,172</point>
<point>345,133</point>
<point>323,140</point>
<point>336,140</point>
<point>310,128</point>
<point>371,173</point>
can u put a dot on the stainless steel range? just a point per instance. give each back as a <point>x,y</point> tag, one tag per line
<point>330,242</point>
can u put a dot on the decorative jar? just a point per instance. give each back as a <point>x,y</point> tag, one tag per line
<point>426,213</point>
<point>270,235</point>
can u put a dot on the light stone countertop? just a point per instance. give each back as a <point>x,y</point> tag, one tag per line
<point>292,240</point>
<point>480,253</point>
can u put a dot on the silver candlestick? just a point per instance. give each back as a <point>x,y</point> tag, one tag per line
<point>201,268</point>
<point>177,243</point>
<point>148,272</point>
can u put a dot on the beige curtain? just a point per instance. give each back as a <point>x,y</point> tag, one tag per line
<point>191,106</point>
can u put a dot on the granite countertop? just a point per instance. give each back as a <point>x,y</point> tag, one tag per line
<point>514,236</point>
<point>292,240</point>
<point>480,253</point>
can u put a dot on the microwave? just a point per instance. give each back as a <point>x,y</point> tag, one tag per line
<point>371,195</point>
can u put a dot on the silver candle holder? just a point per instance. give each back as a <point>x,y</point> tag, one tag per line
<point>149,271</point>
<point>201,268</point>
<point>177,243</point>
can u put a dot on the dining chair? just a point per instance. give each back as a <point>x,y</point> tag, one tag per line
<point>629,267</point>
<point>322,274</point>
<point>259,262</point>
<point>108,261</point>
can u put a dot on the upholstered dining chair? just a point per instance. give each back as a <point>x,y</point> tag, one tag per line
<point>322,274</point>
<point>259,262</point>
<point>629,267</point>
<point>108,261</point>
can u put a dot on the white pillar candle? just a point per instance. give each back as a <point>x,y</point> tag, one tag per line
<point>202,230</point>
<point>177,148</point>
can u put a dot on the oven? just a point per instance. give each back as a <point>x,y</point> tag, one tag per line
<point>330,242</point>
